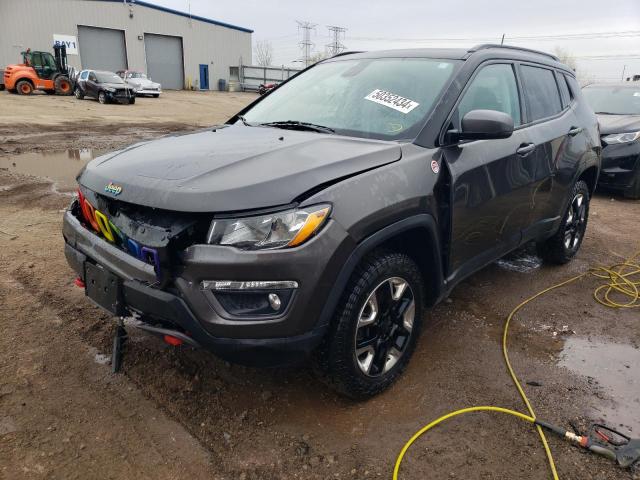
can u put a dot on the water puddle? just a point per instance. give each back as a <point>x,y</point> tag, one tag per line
<point>523,260</point>
<point>616,368</point>
<point>61,167</point>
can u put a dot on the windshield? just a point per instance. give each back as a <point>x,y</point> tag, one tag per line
<point>137,75</point>
<point>384,98</point>
<point>614,99</point>
<point>108,78</point>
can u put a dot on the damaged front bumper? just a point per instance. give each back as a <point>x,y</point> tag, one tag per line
<point>187,306</point>
<point>619,165</point>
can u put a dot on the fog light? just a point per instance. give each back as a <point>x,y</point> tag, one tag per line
<point>251,299</point>
<point>274,301</point>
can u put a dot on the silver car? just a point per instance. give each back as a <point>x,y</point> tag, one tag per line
<point>143,85</point>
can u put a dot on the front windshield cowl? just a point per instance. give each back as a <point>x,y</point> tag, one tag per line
<point>379,98</point>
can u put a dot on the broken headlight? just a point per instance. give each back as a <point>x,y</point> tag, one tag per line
<point>287,228</point>
<point>615,138</point>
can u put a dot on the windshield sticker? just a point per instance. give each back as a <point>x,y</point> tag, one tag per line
<point>392,100</point>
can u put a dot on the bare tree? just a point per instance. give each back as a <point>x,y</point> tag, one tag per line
<point>264,53</point>
<point>318,56</point>
<point>566,57</point>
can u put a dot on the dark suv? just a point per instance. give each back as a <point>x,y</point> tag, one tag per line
<point>106,87</point>
<point>327,216</point>
<point>618,109</point>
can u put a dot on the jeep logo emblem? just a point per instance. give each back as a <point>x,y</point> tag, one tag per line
<point>113,189</point>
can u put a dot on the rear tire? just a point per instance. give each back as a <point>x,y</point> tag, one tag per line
<point>24,87</point>
<point>633,191</point>
<point>375,327</point>
<point>102,98</point>
<point>132,101</point>
<point>63,85</point>
<point>78,93</point>
<point>565,243</point>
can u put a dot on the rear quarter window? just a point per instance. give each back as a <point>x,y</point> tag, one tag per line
<point>564,90</point>
<point>541,91</point>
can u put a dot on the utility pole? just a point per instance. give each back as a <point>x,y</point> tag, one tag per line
<point>335,47</point>
<point>623,70</point>
<point>306,44</point>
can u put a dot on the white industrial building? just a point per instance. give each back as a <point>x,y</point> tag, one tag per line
<point>174,48</point>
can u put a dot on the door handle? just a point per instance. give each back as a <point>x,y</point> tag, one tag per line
<point>575,131</point>
<point>526,149</point>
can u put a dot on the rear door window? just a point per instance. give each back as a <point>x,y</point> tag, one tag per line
<point>541,91</point>
<point>493,88</point>
<point>84,75</point>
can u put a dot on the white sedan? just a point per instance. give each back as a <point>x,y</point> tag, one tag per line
<point>142,84</point>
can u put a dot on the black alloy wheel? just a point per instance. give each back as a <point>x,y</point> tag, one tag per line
<point>385,324</point>
<point>566,242</point>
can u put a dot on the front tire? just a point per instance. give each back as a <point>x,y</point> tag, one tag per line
<point>102,98</point>
<point>565,243</point>
<point>63,86</point>
<point>375,327</point>
<point>132,101</point>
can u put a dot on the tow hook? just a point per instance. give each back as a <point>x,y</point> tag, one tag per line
<point>119,339</point>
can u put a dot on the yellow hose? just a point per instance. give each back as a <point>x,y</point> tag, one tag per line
<point>621,290</point>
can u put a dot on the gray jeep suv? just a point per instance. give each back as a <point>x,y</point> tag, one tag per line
<point>324,218</point>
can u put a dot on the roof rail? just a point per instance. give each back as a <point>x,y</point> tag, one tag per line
<point>351,52</point>
<point>511,47</point>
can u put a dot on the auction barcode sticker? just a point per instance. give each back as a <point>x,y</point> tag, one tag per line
<point>392,100</point>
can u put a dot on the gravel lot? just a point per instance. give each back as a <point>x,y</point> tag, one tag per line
<point>182,413</point>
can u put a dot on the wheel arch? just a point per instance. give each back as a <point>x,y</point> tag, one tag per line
<point>590,176</point>
<point>26,79</point>
<point>417,236</point>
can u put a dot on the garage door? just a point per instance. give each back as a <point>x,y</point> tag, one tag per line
<point>164,60</point>
<point>102,48</point>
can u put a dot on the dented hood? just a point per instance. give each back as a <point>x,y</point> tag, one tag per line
<point>232,168</point>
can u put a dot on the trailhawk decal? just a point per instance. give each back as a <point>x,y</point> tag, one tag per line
<point>392,100</point>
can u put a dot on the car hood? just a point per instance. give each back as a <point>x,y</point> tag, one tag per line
<point>113,85</point>
<point>232,168</point>
<point>618,123</point>
<point>143,83</point>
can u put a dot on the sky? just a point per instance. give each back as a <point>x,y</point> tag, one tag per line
<point>603,36</point>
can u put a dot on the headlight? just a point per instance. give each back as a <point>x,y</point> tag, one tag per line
<point>288,228</point>
<point>615,138</point>
<point>109,89</point>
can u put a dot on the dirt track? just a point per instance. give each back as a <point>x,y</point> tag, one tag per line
<point>181,413</point>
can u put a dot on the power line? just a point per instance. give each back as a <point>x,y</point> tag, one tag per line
<point>335,47</point>
<point>569,36</point>
<point>306,44</point>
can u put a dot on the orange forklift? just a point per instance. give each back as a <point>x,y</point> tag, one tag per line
<point>40,71</point>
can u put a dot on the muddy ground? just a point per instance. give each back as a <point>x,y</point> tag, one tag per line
<point>182,413</point>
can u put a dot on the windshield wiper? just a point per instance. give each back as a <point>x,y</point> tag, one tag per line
<point>297,125</point>
<point>244,120</point>
<point>610,113</point>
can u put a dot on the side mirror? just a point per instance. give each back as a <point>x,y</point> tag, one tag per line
<point>483,125</point>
